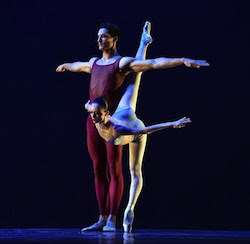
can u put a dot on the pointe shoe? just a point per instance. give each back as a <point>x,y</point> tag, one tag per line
<point>128,220</point>
<point>146,33</point>
<point>127,228</point>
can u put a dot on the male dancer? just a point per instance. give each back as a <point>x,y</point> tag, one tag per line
<point>107,77</point>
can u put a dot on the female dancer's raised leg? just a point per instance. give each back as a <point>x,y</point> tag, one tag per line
<point>129,98</point>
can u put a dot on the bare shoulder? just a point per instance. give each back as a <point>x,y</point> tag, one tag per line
<point>125,63</point>
<point>112,120</point>
<point>92,60</point>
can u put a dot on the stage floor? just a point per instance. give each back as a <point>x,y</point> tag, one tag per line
<point>137,236</point>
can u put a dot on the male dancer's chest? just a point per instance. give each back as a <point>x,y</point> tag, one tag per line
<point>104,79</point>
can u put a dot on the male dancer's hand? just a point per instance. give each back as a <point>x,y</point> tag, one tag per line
<point>181,122</point>
<point>192,63</point>
<point>60,68</point>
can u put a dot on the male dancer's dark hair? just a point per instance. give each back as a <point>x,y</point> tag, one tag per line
<point>113,29</point>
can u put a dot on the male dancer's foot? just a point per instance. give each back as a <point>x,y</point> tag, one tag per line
<point>98,226</point>
<point>146,38</point>
<point>110,226</point>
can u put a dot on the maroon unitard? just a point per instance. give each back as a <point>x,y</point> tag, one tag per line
<point>106,80</point>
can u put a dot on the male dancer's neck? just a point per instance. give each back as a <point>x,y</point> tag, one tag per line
<point>109,54</point>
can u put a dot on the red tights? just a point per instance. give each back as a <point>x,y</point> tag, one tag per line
<point>104,154</point>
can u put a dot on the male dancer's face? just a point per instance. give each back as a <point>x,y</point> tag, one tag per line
<point>98,113</point>
<point>105,40</point>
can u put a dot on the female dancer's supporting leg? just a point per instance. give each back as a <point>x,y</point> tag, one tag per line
<point>136,153</point>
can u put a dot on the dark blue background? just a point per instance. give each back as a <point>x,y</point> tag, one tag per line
<point>195,178</point>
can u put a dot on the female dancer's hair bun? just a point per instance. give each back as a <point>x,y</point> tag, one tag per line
<point>102,101</point>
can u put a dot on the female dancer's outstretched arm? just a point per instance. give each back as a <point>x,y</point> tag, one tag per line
<point>123,130</point>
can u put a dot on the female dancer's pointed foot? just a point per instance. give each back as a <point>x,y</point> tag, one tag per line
<point>128,220</point>
<point>98,226</point>
<point>146,37</point>
<point>127,228</point>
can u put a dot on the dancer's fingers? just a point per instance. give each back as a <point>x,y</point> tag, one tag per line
<point>202,62</point>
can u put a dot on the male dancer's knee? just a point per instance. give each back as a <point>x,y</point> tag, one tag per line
<point>115,161</point>
<point>100,170</point>
<point>115,169</point>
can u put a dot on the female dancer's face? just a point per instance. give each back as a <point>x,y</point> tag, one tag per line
<point>97,113</point>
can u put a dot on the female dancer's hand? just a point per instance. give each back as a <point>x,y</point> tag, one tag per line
<point>181,122</point>
<point>87,106</point>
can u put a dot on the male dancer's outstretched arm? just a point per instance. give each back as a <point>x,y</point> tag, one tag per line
<point>128,64</point>
<point>76,66</point>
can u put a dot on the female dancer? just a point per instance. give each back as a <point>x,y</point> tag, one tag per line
<point>123,127</point>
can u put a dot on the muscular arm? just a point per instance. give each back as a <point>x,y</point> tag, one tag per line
<point>150,129</point>
<point>76,66</point>
<point>128,64</point>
